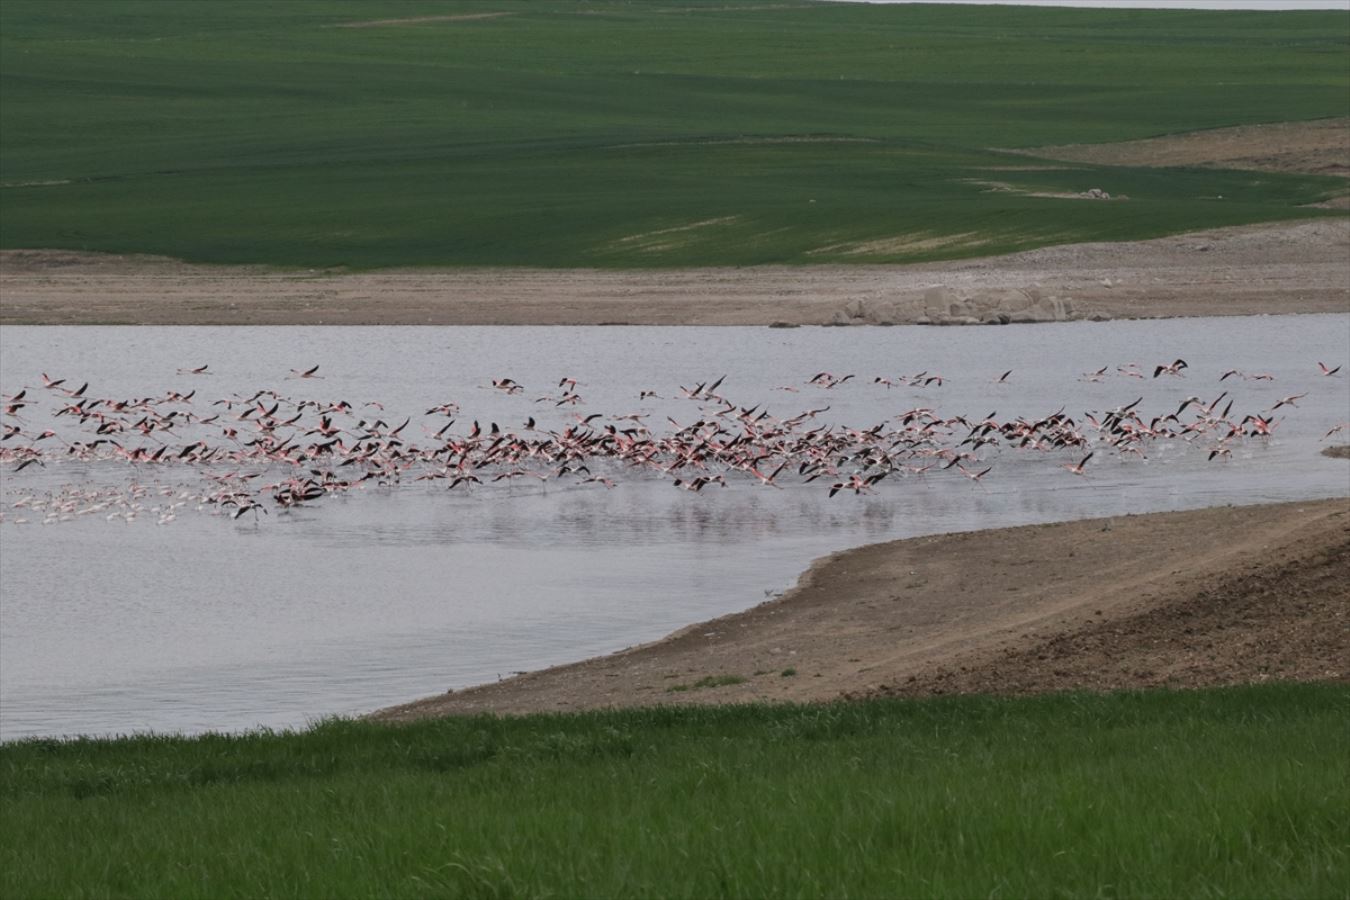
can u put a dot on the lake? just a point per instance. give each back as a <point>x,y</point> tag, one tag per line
<point>112,622</point>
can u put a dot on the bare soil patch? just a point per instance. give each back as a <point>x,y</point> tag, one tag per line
<point>1301,267</point>
<point>48,183</point>
<point>1214,596</point>
<point>1319,147</point>
<point>1003,187</point>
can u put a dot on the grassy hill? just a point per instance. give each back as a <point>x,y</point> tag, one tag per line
<point>625,134</point>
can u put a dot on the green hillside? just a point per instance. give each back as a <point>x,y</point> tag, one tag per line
<point>625,134</point>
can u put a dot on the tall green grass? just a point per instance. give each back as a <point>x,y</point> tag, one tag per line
<point>596,132</point>
<point>1225,793</point>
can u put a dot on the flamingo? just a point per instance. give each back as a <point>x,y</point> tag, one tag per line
<point>1173,369</point>
<point>1077,469</point>
<point>1289,401</point>
<point>768,479</point>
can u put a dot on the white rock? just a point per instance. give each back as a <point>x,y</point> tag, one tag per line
<point>937,299</point>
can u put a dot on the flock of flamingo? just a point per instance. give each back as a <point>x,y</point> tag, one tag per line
<point>246,455</point>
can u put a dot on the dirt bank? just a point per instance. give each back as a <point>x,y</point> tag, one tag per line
<point>1301,267</point>
<point>1214,596</point>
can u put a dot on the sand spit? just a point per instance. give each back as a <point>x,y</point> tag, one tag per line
<point>1206,597</point>
<point>1299,267</point>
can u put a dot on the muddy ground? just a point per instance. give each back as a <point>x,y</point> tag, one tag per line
<point>1207,597</point>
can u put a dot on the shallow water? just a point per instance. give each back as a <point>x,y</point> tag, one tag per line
<point>384,595</point>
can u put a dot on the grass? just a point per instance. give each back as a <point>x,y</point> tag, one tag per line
<point>1233,792</point>
<point>613,134</point>
<point>707,681</point>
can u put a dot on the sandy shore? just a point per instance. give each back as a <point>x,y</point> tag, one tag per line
<point>1300,267</point>
<point>1206,597</point>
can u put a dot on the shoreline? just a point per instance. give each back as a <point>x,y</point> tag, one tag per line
<point>1283,268</point>
<point>1222,595</point>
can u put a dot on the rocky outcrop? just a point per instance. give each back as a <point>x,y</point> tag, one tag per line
<point>1001,306</point>
<point>944,305</point>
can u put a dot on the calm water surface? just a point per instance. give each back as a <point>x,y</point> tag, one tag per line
<point>386,595</point>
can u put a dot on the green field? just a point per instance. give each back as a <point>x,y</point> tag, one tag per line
<point>622,134</point>
<point>1224,793</point>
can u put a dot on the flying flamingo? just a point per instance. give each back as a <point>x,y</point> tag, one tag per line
<point>1173,369</point>
<point>973,476</point>
<point>1289,401</point>
<point>856,483</point>
<point>768,479</point>
<point>1077,469</point>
